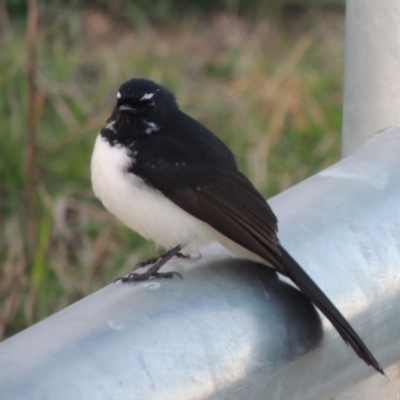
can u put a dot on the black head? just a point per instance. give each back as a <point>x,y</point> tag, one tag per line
<point>143,108</point>
<point>143,98</point>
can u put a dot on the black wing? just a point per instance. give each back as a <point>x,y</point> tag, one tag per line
<point>223,198</point>
<point>206,183</point>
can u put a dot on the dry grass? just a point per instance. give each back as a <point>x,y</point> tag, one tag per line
<point>273,93</point>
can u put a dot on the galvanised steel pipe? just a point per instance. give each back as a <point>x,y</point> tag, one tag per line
<point>232,329</point>
<point>372,70</point>
<point>371,103</point>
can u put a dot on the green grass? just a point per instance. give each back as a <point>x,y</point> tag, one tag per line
<point>271,92</point>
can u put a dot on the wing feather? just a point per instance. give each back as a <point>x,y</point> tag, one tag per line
<point>224,199</point>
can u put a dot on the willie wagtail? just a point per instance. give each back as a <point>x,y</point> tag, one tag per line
<point>173,181</point>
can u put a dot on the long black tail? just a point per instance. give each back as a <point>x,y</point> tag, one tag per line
<point>315,294</point>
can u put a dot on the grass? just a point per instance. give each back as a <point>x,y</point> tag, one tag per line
<point>271,91</point>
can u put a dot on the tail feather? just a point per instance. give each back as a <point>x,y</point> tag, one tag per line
<point>315,294</point>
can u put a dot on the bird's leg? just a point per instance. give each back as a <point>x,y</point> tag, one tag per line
<point>154,260</point>
<point>153,270</point>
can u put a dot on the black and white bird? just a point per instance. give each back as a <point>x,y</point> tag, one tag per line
<point>170,179</point>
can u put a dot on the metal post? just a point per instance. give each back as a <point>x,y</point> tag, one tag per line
<point>231,329</point>
<point>371,102</point>
<point>372,70</point>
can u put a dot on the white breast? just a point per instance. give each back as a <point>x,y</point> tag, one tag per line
<point>140,207</point>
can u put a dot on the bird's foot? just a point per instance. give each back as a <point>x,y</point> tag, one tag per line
<point>152,272</point>
<point>135,277</point>
<point>154,260</point>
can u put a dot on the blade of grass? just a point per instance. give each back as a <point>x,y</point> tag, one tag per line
<point>31,124</point>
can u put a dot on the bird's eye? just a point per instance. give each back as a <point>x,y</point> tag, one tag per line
<point>145,104</point>
<point>135,106</point>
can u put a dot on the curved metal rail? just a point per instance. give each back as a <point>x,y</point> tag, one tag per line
<point>232,329</point>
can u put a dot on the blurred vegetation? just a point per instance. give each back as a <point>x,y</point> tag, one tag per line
<point>270,87</point>
<point>163,11</point>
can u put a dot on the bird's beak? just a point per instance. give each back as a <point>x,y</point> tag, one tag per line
<point>126,108</point>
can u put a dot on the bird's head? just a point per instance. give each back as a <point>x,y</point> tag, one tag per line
<point>143,98</point>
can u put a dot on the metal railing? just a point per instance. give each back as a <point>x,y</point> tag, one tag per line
<point>231,329</point>
<point>371,103</point>
<point>372,70</point>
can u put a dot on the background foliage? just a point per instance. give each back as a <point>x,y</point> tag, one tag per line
<point>267,80</point>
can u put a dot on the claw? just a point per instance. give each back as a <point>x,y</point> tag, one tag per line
<point>133,277</point>
<point>167,274</point>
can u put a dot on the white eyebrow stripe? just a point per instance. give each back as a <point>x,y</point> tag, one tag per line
<point>118,95</point>
<point>147,96</point>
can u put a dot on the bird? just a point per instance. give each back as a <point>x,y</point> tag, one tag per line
<point>173,181</point>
